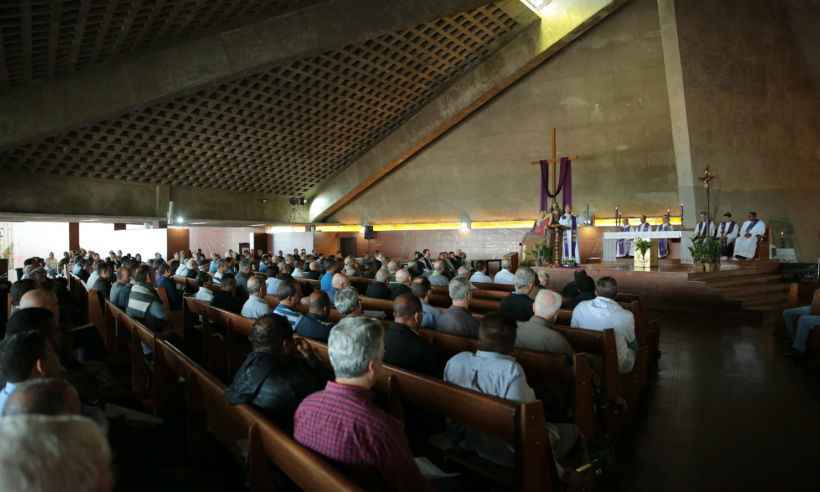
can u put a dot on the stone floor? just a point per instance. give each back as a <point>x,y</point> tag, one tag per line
<point>726,412</point>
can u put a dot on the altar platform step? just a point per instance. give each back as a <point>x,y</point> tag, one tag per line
<point>755,285</point>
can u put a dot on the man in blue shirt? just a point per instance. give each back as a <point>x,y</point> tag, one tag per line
<point>289,294</point>
<point>165,282</point>
<point>256,306</point>
<point>326,283</point>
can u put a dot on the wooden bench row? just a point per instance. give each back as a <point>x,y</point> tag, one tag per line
<point>520,424</point>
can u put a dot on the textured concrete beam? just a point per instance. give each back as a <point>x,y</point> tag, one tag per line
<point>48,195</point>
<point>105,91</point>
<point>563,22</point>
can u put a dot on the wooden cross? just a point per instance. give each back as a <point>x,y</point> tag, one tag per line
<point>553,164</point>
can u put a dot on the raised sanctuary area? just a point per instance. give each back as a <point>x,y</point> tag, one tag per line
<point>409,245</point>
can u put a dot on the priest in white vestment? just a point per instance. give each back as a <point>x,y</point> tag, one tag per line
<point>705,228</point>
<point>750,233</point>
<point>570,242</point>
<point>642,227</point>
<point>727,232</point>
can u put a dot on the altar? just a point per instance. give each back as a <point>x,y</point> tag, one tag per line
<point>611,241</point>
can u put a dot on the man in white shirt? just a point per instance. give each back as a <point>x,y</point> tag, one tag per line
<point>256,306</point>
<point>492,370</point>
<point>480,276</point>
<point>505,276</point>
<point>602,313</point>
<point>727,232</point>
<point>751,232</point>
<point>705,228</point>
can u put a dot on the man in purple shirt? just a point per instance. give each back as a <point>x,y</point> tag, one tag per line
<point>344,425</point>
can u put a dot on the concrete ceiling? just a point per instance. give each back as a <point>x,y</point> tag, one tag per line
<point>279,129</point>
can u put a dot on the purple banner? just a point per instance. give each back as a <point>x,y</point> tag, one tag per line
<point>564,183</point>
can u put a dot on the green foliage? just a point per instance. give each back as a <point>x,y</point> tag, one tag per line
<point>705,250</point>
<point>642,245</point>
<point>542,253</point>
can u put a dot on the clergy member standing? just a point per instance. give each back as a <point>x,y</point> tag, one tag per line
<point>750,233</point>
<point>624,246</point>
<point>663,244</point>
<point>570,235</point>
<point>642,227</point>
<point>726,234</point>
<point>705,228</point>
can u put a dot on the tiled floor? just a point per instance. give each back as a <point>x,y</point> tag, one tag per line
<point>726,412</point>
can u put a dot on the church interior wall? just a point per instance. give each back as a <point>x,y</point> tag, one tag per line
<point>606,95</point>
<point>752,83</point>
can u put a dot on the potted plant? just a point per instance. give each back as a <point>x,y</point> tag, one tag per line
<point>543,254</point>
<point>643,259</point>
<point>705,253</point>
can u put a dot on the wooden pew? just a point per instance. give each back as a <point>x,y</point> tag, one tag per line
<point>543,370</point>
<point>204,394</point>
<point>813,342</point>
<point>520,424</point>
<point>174,318</point>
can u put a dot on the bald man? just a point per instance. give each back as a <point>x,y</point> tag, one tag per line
<point>41,298</point>
<point>403,345</point>
<point>537,333</point>
<point>44,396</point>
<point>316,323</point>
<point>401,285</point>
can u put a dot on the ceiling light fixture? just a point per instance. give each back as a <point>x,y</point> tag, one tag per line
<point>538,6</point>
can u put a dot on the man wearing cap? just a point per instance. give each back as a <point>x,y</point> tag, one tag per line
<point>727,233</point>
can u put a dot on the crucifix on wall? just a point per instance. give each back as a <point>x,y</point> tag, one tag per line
<point>551,185</point>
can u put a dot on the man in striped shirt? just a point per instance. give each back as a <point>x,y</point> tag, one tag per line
<point>289,293</point>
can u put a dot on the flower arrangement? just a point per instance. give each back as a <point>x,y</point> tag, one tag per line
<point>642,245</point>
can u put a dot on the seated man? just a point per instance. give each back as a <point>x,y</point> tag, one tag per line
<point>421,288</point>
<point>289,294</point>
<point>457,320</point>
<point>579,290</point>
<point>272,282</point>
<point>504,276</point>
<point>518,305</point>
<point>340,281</point>
<point>480,276</point>
<point>243,276</point>
<point>279,373</point>
<point>203,293</point>
<point>313,271</point>
<point>401,285</point>
<point>143,301</point>
<point>348,303</point>
<point>537,333</point>
<point>256,306</point>
<point>103,282</point>
<point>121,289</point>
<point>76,458</point>
<point>166,281</point>
<point>326,282</point>
<point>27,351</point>
<point>403,346</point>
<point>43,396</point>
<point>750,233</point>
<point>341,422</point>
<point>491,370</point>
<point>438,278</point>
<point>18,289</point>
<point>377,288</point>
<point>316,323</point>
<point>226,297</point>
<point>604,312</point>
<point>799,324</point>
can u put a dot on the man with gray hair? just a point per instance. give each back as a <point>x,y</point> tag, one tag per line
<point>342,424</point>
<point>256,306</point>
<point>377,288</point>
<point>347,302</point>
<point>76,458</point>
<point>457,320</point>
<point>518,305</point>
<point>505,276</point>
<point>537,333</point>
<point>401,285</point>
<point>437,277</point>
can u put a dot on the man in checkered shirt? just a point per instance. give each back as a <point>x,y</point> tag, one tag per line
<point>342,423</point>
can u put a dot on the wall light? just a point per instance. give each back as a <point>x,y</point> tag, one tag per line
<point>180,220</point>
<point>465,226</point>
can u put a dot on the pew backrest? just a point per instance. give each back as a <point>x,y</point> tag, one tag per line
<point>815,303</point>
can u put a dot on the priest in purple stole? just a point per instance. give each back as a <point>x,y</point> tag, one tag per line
<point>624,246</point>
<point>570,242</point>
<point>663,244</point>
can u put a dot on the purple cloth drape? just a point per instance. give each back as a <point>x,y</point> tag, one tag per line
<point>564,183</point>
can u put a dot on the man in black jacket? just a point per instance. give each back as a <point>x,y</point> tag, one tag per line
<point>518,305</point>
<point>403,346</point>
<point>377,288</point>
<point>316,324</point>
<point>226,297</point>
<point>279,373</point>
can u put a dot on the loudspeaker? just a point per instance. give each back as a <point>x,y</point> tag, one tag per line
<point>368,232</point>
